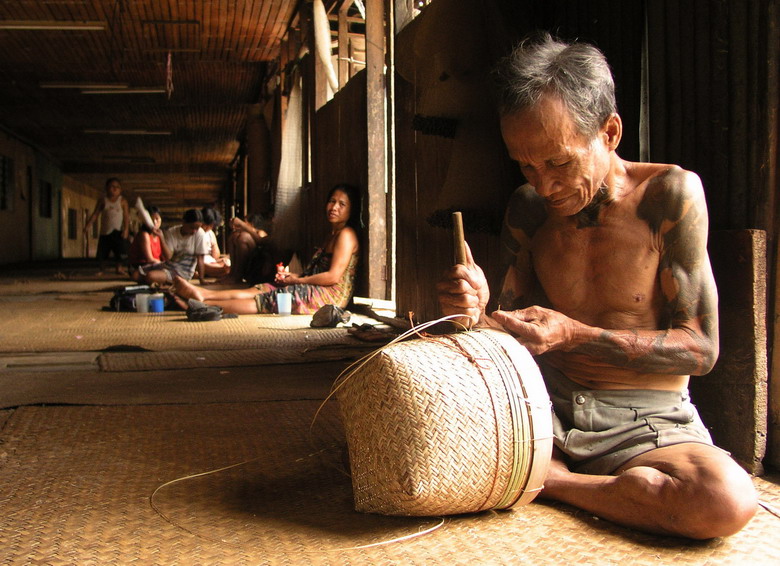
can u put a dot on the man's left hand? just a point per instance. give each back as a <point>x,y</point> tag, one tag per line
<point>538,329</point>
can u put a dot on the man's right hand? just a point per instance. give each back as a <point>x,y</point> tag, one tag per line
<point>464,290</point>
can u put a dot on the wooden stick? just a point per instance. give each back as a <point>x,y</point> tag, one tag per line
<point>458,238</point>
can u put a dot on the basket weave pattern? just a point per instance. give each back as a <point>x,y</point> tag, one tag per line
<point>434,426</point>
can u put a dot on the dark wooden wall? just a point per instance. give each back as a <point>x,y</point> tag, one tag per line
<point>443,58</point>
<point>449,153</point>
<point>713,102</point>
<point>713,109</point>
<point>339,155</point>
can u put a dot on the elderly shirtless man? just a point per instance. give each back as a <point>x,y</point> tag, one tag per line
<point>616,299</point>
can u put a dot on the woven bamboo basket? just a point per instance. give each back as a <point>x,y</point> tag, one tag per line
<point>447,425</point>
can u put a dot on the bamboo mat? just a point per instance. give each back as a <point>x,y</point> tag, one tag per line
<point>77,483</point>
<point>67,323</point>
<point>34,284</point>
<point>143,361</point>
<point>202,385</point>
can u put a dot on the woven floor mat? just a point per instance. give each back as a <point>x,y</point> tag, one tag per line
<point>241,384</point>
<point>141,361</point>
<point>78,480</point>
<point>52,324</point>
<point>52,285</point>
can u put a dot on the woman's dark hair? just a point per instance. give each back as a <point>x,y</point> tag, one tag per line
<point>192,215</point>
<point>151,210</point>
<point>355,202</point>
<point>111,180</point>
<point>211,216</point>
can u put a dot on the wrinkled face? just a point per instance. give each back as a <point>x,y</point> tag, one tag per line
<point>156,220</point>
<point>113,189</point>
<point>563,166</point>
<point>189,228</point>
<point>338,207</point>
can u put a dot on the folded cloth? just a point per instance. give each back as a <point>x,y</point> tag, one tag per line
<point>329,316</point>
<point>198,311</point>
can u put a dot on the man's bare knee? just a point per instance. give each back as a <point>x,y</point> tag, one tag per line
<point>725,505</point>
<point>714,503</point>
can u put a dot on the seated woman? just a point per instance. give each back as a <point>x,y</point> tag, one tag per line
<point>147,246</point>
<point>328,279</point>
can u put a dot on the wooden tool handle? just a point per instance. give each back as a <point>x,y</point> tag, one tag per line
<point>458,238</point>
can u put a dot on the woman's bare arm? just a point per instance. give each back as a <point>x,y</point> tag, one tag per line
<point>346,245</point>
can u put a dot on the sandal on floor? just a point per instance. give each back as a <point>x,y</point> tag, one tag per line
<point>198,311</point>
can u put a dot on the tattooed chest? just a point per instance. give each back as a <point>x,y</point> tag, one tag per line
<point>593,277</point>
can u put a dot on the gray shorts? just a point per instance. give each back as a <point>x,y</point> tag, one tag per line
<point>162,266</point>
<point>599,430</point>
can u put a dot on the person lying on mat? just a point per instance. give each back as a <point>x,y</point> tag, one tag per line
<point>614,295</point>
<point>328,279</point>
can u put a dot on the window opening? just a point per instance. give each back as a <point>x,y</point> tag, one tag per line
<point>72,224</point>
<point>6,183</point>
<point>45,195</point>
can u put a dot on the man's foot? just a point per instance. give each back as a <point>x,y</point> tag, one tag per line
<point>180,303</point>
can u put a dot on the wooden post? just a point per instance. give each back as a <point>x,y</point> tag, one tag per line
<point>343,69</point>
<point>377,128</point>
<point>732,398</point>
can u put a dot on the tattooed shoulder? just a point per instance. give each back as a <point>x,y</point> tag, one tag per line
<point>526,211</point>
<point>669,196</point>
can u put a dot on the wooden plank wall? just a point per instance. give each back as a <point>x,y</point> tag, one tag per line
<point>711,102</point>
<point>16,220</point>
<point>449,153</point>
<point>82,199</point>
<point>339,155</point>
<point>442,60</point>
<point>713,109</point>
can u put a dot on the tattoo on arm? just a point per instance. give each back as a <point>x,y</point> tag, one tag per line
<point>687,341</point>
<point>525,214</point>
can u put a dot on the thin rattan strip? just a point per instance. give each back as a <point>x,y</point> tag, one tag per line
<point>534,428</point>
<point>529,439</point>
<point>521,424</point>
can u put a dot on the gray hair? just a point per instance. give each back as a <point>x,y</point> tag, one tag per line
<point>578,74</point>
